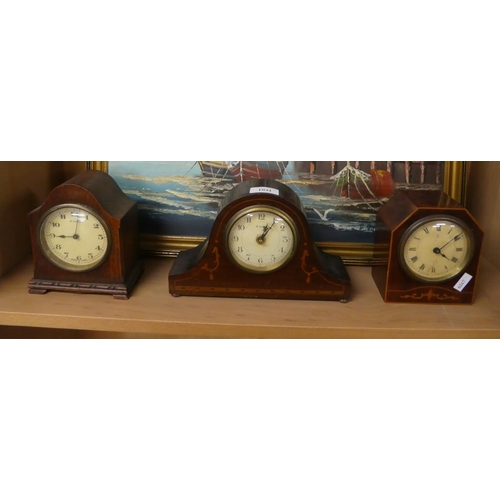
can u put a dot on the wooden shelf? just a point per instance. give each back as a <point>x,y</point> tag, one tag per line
<point>153,312</point>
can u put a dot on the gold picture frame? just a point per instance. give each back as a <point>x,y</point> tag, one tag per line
<point>453,182</point>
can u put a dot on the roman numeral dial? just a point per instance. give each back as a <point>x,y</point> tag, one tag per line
<point>436,248</point>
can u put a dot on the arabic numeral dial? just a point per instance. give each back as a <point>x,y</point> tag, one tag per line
<point>74,238</point>
<point>261,239</point>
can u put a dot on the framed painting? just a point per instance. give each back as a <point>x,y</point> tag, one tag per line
<point>178,200</point>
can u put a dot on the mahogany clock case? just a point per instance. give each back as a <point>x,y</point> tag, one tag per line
<point>404,209</point>
<point>120,270</point>
<point>208,270</point>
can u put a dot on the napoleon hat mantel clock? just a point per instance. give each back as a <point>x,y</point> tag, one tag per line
<point>85,238</point>
<point>434,246</point>
<point>260,247</point>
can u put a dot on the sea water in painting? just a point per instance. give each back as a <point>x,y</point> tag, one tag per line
<point>181,198</point>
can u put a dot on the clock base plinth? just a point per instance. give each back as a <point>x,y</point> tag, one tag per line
<point>116,290</point>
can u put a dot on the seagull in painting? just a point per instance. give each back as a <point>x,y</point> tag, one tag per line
<point>324,216</point>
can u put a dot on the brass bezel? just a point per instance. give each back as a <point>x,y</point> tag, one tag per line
<point>261,208</point>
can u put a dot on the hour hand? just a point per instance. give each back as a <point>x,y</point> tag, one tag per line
<point>262,237</point>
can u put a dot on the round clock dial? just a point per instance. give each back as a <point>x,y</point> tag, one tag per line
<point>74,238</point>
<point>436,248</point>
<point>261,239</point>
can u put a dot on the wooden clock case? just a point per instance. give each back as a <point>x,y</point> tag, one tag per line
<point>403,209</point>
<point>207,269</point>
<point>120,271</point>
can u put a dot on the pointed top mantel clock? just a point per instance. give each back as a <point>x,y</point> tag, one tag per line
<point>434,246</point>
<point>260,247</point>
<point>85,238</point>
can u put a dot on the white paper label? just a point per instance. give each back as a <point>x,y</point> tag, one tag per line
<point>464,280</point>
<point>263,189</point>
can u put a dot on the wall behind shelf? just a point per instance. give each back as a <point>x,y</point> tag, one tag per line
<point>483,201</point>
<point>23,187</point>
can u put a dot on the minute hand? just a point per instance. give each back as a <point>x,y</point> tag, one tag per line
<point>453,239</point>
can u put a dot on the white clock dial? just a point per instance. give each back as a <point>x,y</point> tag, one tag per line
<point>261,239</point>
<point>436,248</point>
<point>74,238</point>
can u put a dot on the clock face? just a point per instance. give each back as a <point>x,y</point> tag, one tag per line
<point>261,239</point>
<point>74,238</point>
<point>436,248</point>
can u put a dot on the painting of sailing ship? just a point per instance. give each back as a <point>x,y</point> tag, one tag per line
<point>340,198</point>
<point>239,171</point>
